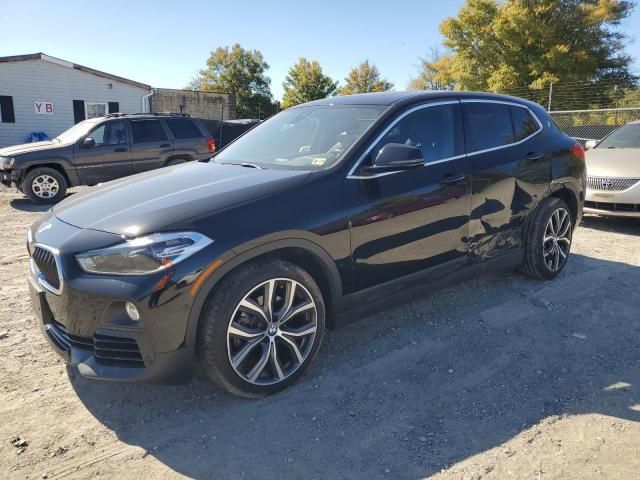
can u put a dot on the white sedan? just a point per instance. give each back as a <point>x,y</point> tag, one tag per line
<point>613,173</point>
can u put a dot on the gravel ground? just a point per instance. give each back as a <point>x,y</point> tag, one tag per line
<point>499,377</point>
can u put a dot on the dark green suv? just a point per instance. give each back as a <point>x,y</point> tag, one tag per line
<point>103,149</point>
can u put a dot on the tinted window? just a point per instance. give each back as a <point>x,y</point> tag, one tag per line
<point>434,130</point>
<point>183,128</point>
<point>147,131</point>
<point>488,125</point>
<point>523,123</point>
<point>110,133</point>
<point>625,137</point>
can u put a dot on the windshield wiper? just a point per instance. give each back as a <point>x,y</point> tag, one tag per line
<point>244,164</point>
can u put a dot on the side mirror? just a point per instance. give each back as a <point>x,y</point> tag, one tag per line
<point>88,143</point>
<point>396,156</point>
<point>590,144</point>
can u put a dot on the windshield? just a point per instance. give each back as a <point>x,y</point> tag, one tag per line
<point>76,132</point>
<point>625,137</point>
<point>303,138</point>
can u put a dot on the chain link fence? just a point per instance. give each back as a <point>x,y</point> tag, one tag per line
<point>585,125</point>
<point>587,110</point>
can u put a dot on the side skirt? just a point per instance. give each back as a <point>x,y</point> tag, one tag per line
<point>358,305</point>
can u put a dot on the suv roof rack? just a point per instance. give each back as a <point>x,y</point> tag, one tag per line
<point>150,114</point>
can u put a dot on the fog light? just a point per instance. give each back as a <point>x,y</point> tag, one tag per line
<point>132,311</point>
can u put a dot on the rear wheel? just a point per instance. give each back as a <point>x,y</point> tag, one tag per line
<point>261,328</point>
<point>44,185</point>
<point>548,243</point>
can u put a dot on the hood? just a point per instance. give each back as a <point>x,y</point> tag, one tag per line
<point>153,200</point>
<point>29,147</point>
<point>613,162</point>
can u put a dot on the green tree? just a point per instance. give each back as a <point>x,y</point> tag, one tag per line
<point>630,98</point>
<point>364,78</point>
<point>531,43</point>
<point>242,73</point>
<point>306,82</point>
<point>428,77</point>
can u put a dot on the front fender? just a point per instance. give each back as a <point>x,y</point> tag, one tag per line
<point>245,253</point>
<point>62,162</point>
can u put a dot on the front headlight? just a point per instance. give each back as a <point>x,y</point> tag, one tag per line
<point>144,255</point>
<point>7,163</point>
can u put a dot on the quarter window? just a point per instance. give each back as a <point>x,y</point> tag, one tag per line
<point>488,125</point>
<point>436,131</point>
<point>147,131</point>
<point>523,123</point>
<point>183,128</point>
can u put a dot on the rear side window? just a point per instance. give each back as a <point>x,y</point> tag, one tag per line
<point>523,123</point>
<point>183,128</point>
<point>436,131</point>
<point>147,131</point>
<point>488,125</point>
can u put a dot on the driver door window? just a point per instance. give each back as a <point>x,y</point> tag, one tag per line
<point>110,133</point>
<point>109,158</point>
<point>436,131</point>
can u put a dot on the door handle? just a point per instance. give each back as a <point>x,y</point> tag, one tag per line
<point>121,149</point>
<point>533,156</point>
<point>451,178</point>
<point>165,145</point>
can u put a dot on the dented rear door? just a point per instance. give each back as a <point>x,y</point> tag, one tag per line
<point>511,173</point>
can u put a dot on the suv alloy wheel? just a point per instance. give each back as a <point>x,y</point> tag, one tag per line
<point>261,328</point>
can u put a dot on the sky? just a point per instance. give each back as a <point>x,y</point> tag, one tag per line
<point>164,43</point>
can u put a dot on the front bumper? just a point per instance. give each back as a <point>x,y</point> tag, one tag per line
<point>623,203</point>
<point>110,354</point>
<point>607,211</point>
<point>9,178</point>
<point>83,316</point>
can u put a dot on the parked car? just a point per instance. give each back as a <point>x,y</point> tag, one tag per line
<point>226,131</point>
<point>613,173</point>
<point>103,149</point>
<point>315,215</point>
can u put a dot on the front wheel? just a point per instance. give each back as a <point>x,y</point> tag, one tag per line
<point>548,242</point>
<point>261,328</point>
<point>44,185</point>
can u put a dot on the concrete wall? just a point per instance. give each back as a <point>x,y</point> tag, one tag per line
<point>207,105</point>
<point>39,80</point>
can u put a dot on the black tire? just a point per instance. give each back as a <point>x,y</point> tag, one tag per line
<point>213,348</point>
<point>175,161</point>
<point>537,250</point>
<point>41,176</point>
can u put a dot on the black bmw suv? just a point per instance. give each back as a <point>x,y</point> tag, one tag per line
<point>103,149</point>
<point>243,261</point>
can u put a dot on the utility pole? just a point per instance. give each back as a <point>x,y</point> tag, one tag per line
<point>550,95</point>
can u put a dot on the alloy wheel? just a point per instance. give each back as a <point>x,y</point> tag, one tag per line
<point>45,186</point>
<point>272,331</point>
<point>557,239</point>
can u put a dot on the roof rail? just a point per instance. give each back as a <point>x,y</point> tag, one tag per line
<point>150,114</point>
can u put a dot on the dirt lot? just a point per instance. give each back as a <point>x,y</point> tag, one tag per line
<point>501,377</point>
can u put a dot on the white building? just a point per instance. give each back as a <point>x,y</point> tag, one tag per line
<point>39,93</point>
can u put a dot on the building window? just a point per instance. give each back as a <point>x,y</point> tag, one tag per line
<point>93,110</point>
<point>6,110</point>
